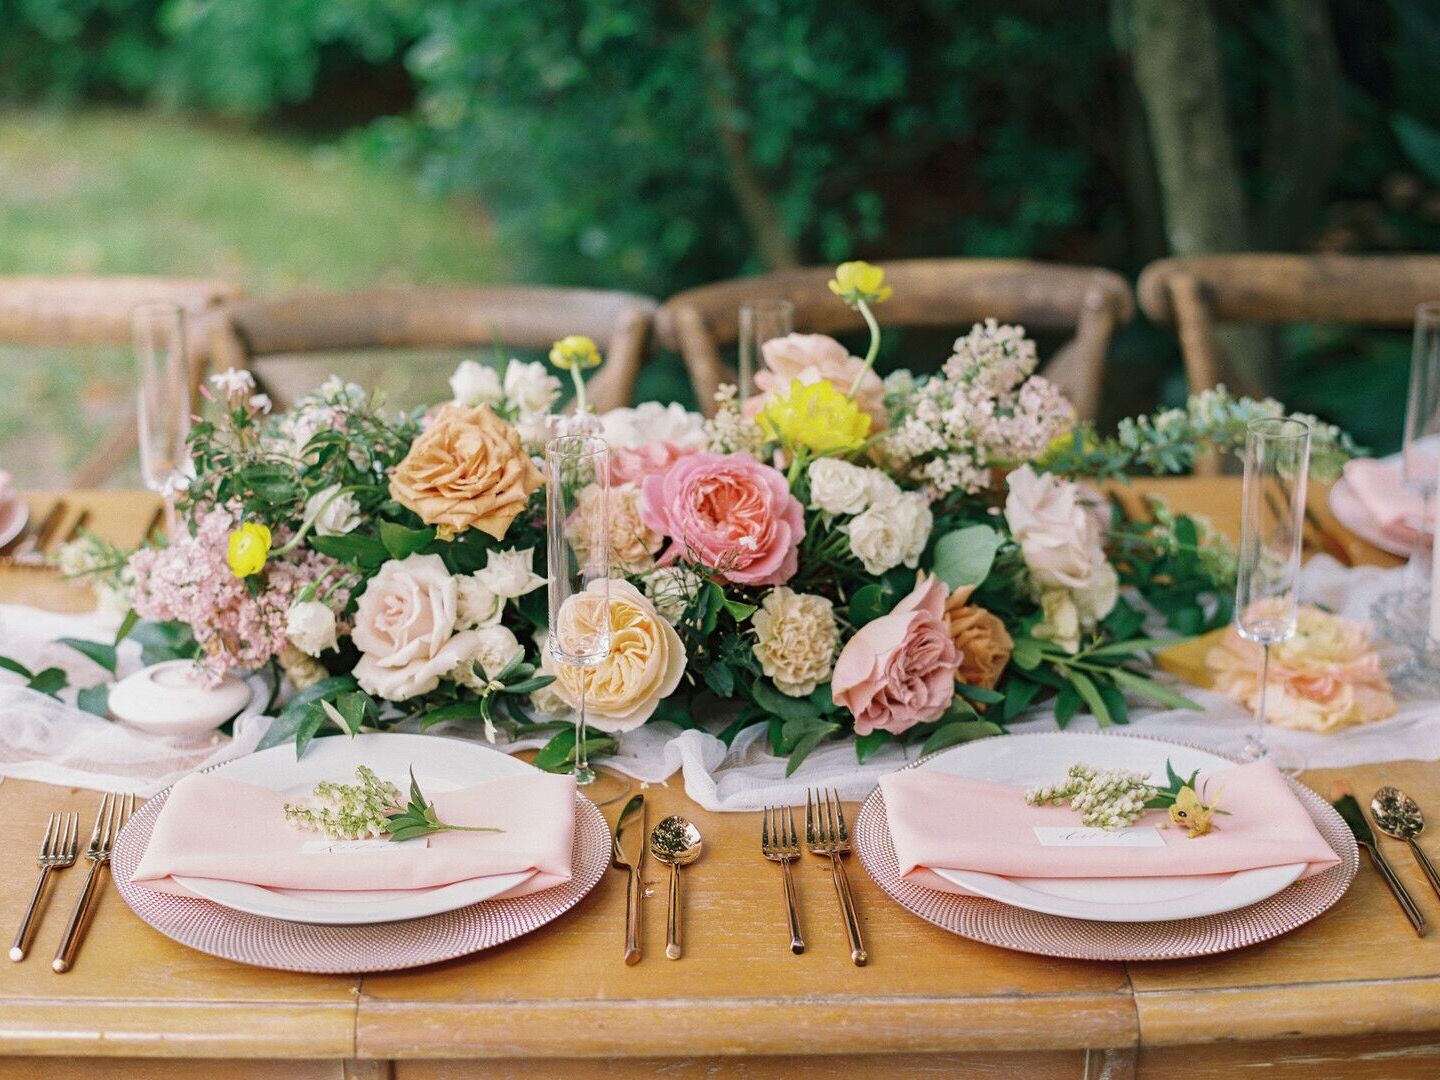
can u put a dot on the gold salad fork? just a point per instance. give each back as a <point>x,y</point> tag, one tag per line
<point>58,850</point>
<point>826,834</point>
<point>114,811</point>
<point>779,842</point>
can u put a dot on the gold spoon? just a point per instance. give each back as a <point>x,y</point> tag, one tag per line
<point>676,843</point>
<point>1400,816</point>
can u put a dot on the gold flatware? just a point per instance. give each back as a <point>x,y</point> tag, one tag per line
<point>1397,814</point>
<point>1346,806</point>
<point>826,834</point>
<point>156,520</point>
<point>676,843</point>
<point>31,550</point>
<point>780,843</point>
<point>627,853</point>
<point>73,533</point>
<point>114,811</point>
<point>58,850</point>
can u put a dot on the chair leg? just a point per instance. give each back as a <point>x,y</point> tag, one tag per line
<point>1199,349</point>
<point>702,358</point>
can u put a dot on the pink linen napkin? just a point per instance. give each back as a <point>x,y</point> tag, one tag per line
<point>1379,488</point>
<point>938,820</point>
<point>211,827</point>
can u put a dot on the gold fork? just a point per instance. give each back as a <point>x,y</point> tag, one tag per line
<point>58,851</point>
<point>825,834</point>
<point>779,842</point>
<point>114,811</point>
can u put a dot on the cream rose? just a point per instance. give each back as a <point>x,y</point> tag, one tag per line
<point>475,604</point>
<point>468,470</point>
<point>645,663</point>
<point>405,629</point>
<point>510,573</point>
<point>495,648</point>
<point>795,640</point>
<point>837,487</point>
<point>333,510</point>
<point>633,544</point>
<point>310,626</point>
<point>892,532</point>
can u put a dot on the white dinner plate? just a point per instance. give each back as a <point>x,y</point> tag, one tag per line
<point>14,513</point>
<point>1044,757</point>
<point>1350,512</point>
<point>440,764</point>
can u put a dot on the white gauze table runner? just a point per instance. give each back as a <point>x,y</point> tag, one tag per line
<point>43,739</point>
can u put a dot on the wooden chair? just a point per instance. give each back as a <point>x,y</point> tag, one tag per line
<point>1085,302</point>
<point>522,317</point>
<point>1193,293</point>
<point>66,310</point>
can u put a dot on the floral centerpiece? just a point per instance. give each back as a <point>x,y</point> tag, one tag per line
<point>839,555</point>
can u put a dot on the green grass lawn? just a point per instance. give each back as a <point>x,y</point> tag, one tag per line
<point>139,193</point>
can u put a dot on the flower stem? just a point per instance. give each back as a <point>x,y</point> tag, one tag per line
<point>579,381</point>
<point>869,317</point>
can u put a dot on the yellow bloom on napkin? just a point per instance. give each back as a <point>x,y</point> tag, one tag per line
<point>249,548</point>
<point>817,417</point>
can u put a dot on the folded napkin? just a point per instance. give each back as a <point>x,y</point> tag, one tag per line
<point>952,822</point>
<point>211,827</point>
<point>1379,488</point>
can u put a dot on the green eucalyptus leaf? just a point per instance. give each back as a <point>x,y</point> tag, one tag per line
<point>965,556</point>
<point>104,655</point>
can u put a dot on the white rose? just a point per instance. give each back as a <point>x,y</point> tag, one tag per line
<point>892,533</point>
<point>651,422</point>
<point>310,626</point>
<point>1060,540</point>
<point>405,629</point>
<point>837,487</point>
<point>476,605</point>
<point>334,513</point>
<point>476,384</point>
<point>535,429</point>
<point>495,647</point>
<point>1096,600</point>
<point>529,387</point>
<point>508,574</point>
<point>670,589</point>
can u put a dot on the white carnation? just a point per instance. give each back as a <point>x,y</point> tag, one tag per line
<point>892,532</point>
<point>310,626</point>
<point>334,512</point>
<point>529,387</point>
<point>476,384</point>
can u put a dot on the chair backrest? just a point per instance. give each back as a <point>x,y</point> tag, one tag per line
<point>1086,302</point>
<point>63,310</point>
<point>1193,293</point>
<point>442,317</point>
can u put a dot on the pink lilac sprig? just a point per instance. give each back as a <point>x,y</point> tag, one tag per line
<point>239,626</point>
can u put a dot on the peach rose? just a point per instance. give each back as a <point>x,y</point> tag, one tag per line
<point>405,628</point>
<point>981,639</point>
<point>899,670</point>
<point>466,471</point>
<point>1327,677</point>
<point>808,358</point>
<point>645,662</point>
<point>633,544</point>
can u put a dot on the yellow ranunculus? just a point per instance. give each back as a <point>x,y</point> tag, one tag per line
<point>856,281</point>
<point>575,352</point>
<point>817,417</point>
<point>249,548</point>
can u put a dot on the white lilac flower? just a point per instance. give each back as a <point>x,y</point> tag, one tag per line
<point>476,384</point>
<point>334,511</point>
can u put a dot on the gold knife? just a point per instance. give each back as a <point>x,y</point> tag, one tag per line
<point>1349,809</point>
<point>628,853</point>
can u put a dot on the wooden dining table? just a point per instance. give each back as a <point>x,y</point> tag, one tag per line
<point>1354,993</point>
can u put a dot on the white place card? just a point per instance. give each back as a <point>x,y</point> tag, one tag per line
<point>1079,836</point>
<point>355,847</point>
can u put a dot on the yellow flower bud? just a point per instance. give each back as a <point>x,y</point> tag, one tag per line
<point>575,352</point>
<point>249,548</point>
<point>817,417</point>
<point>856,281</point>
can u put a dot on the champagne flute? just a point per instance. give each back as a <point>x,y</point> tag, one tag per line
<point>577,525</point>
<point>760,321</point>
<point>1277,464</point>
<point>1420,456</point>
<point>163,398</point>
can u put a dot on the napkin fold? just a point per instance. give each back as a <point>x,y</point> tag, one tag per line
<point>953,822</point>
<point>212,827</point>
<point>1379,488</point>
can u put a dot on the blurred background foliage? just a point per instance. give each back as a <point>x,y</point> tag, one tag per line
<point>655,145</point>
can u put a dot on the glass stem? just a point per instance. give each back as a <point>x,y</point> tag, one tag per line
<point>582,756</point>
<point>1257,749</point>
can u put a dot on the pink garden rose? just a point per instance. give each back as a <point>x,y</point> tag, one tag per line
<point>899,670</point>
<point>729,513</point>
<point>809,358</point>
<point>631,465</point>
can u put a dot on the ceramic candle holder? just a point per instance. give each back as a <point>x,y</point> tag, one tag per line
<point>172,699</point>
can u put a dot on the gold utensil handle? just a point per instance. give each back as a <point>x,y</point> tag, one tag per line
<point>1402,896</point>
<point>22,935</point>
<point>1425,865</point>
<point>632,918</point>
<point>847,910</point>
<point>672,922</point>
<point>797,943</point>
<point>70,941</point>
